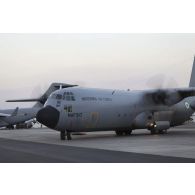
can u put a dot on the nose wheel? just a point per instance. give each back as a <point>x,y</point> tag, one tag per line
<point>68,134</point>
<point>64,135</point>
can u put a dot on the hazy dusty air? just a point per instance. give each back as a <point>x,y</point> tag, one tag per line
<point>30,62</point>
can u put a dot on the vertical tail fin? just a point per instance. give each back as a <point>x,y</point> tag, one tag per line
<point>15,112</point>
<point>192,79</point>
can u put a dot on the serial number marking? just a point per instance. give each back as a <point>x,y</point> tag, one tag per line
<point>96,99</point>
<point>89,98</point>
<point>77,115</point>
<point>105,99</point>
<point>187,105</point>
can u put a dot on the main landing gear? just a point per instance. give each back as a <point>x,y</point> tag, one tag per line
<point>123,132</point>
<point>65,134</point>
<point>155,132</point>
<point>10,127</point>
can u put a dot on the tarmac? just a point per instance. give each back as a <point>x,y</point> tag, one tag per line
<point>44,146</point>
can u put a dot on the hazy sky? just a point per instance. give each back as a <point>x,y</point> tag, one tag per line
<point>30,62</point>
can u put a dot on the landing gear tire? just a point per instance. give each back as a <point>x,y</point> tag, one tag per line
<point>128,132</point>
<point>62,135</point>
<point>119,133</point>
<point>69,136</point>
<point>163,132</point>
<point>154,132</point>
<point>10,127</point>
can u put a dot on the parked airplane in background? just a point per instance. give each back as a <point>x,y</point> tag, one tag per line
<point>79,109</point>
<point>25,117</point>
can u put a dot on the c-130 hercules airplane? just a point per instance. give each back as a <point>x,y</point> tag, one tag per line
<point>77,109</point>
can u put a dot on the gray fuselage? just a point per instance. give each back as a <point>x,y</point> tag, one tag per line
<point>85,109</point>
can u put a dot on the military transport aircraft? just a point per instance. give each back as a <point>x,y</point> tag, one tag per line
<point>78,109</point>
<point>24,117</point>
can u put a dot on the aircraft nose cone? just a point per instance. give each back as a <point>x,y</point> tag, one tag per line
<point>48,116</point>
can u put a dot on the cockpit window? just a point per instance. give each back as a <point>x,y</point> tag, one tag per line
<point>72,98</point>
<point>53,96</point>
<point>68,96</point>
<point>58,96</point>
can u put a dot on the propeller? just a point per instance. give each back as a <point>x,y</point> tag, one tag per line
<point>161,82</point>
<point>165,91</point>
<point>169,97</point>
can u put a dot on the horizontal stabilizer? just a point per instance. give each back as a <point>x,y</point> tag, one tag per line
<point>24,100</point>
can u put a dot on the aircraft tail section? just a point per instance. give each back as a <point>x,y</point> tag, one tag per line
<point>192,79</point>
<point>15,112</point>
<point>41,100</point>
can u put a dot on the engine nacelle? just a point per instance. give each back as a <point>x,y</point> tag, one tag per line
<point>142,120</point>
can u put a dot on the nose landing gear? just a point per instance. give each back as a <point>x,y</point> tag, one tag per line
<point>68,134</point>
<point>65,134</point>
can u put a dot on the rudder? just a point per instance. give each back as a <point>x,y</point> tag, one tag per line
<point>192,79</point>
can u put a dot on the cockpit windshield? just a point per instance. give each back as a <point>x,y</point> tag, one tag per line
<point>68,96</point>
<point>56,96</point>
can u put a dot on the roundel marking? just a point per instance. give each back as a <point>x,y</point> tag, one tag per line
<point>187,105</point>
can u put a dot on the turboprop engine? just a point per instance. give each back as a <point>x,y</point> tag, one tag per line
<point>143,120</point>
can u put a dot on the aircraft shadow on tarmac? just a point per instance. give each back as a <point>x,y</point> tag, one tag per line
<point>145,134</point>
<point>136,134</point>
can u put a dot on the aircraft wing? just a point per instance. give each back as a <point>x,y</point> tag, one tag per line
<point>168,97</point>
<point>4,115</point>
<point>24,100</point>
